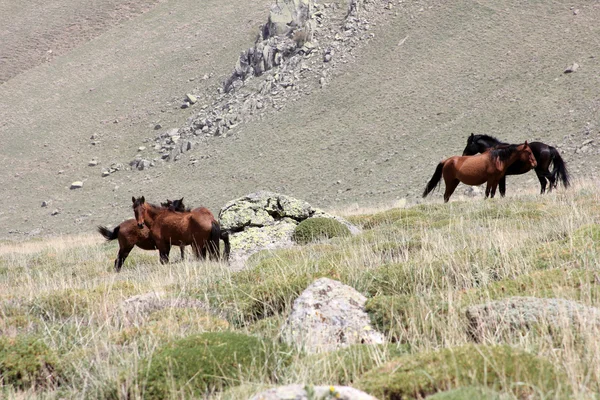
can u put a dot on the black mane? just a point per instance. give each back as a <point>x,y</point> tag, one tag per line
<point>503,152</point>
<point>488,138</point>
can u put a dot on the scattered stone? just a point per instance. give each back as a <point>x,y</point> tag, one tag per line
<point>45,203</point>
<point>76,185</point>
<point>134,309</point>
<point>572,68</point>
<point>308,392</point>
<point>516,313</point>
<point>105,173</point>
<point>141,148</point>
<point>93,163</point>
<point>191,98</point>
<point>327,316</point>
<point>185,105</point>
<point>157,127</point>
<point>55,212</point>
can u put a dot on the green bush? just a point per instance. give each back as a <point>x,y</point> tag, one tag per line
<point>202,364</point>
<point>26,362</point>
<point>467,393</point>
<point>315,229</point>
<point>495,367</point>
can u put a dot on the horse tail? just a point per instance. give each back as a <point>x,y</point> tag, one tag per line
<point>108,234</point>
<point>435,179</point>
<point>227,249</point>
<point>213,241</point>
<point>560,169</point>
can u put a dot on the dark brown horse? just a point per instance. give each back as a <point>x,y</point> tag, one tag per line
<point>488,167</point>
<point>129,235</point>
<point>544,155</point>
<point>198,229</point>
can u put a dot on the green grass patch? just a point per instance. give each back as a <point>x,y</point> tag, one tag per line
<point>496,367</point>
<point>317,229</point>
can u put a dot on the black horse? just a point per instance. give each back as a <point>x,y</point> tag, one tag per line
<point>544,155</point>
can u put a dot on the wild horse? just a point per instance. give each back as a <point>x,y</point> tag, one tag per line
<point>129,235</point>
<point>488,167</point>
<point>544,155</point>
<point>198,229</point>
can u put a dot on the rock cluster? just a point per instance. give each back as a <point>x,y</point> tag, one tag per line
<point>327,316</point>
<point>265,220</point>
<point>296,51</point>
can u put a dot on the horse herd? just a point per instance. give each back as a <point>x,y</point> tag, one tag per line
<point>496,160</point>
<point>171,223</point>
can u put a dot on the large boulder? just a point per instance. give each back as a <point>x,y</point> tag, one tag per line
<point>265,220</point>
<point>306,392</point>
<point>497,318</point>
<point>327,316</point>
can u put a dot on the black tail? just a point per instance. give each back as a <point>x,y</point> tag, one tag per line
<point>560,169</point>
<point>213,241</point>
<point>225,239</point>
<point>104,231</point>
<point>435,179</point>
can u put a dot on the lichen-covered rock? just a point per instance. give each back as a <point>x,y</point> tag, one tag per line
<point>302,392</point>
<point>516,313</point>
<point>327,316</point>
<point>265,221</point>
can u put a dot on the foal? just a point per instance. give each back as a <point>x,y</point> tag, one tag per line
<point>475,170</point>
<point>167,228</point>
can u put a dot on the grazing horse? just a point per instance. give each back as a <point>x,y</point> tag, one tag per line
<point>488,167</point>
<point>129,235</point>
<point>200,230</point>
<point>544,155</point>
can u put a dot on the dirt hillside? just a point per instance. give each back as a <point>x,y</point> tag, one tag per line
<point>433,73</point>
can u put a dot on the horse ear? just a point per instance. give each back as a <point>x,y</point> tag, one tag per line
<point>526,144</point>
<point>142,200</point>
<point>133,199</point>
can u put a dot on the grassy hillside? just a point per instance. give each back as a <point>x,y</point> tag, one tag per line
<point>64,314</point>
<point>433,73</point>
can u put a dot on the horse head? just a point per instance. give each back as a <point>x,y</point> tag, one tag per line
<point>139,210</point>
<point>527,155</point>
<point>473,146</point>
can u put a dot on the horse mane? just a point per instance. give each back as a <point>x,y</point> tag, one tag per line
<point>503,152</point>
<point>490,139</point>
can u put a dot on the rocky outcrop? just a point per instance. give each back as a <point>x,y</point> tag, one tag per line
<point>295,53</point>
<point>517,313</point>
<point>307,392</point>
<point>327,316</point>
<point>265,221</point>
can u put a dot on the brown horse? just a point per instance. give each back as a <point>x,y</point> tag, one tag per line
<point>200,230</point>
<point>129,235</point>
<point>487,167</point>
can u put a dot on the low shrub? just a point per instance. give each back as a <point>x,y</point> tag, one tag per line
<point>202,364</point>
<point>26,362</point>
<point>315,229</point>
<point>496,367</point>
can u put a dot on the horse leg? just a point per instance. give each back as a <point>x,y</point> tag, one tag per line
<point>182,248</point>
<point>493,185</point>
<point>120,260</point>
<point>542,180</point>
<point>164,254</point>
<point>450,188</point>
<point>502,184</point>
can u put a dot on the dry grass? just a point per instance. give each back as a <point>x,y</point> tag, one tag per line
<point>435,259</point>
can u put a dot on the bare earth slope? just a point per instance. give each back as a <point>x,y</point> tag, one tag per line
<point>434,73</point>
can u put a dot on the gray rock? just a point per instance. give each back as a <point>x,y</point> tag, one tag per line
<point>191,98</point>
<point>517,313</point>
<point>265,221</point>
<point>76,185</point>
<point>572,68</point>
<point>309,392</point>
<point>45,203</point>
<point>55,212</point>
<point>93,163</point>
<point>327,316</point>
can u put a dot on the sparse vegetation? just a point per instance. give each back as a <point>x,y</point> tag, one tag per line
<point>315,229</point>
<point>420,268</point>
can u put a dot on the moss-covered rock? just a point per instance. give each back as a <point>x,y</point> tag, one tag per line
<point>496,367</point>
<point>201,364</point>
<point>315,229</point>
<point>26,361</point>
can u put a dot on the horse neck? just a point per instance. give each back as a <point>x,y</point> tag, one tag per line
<point>515,155</point>
<point>151,212</point>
